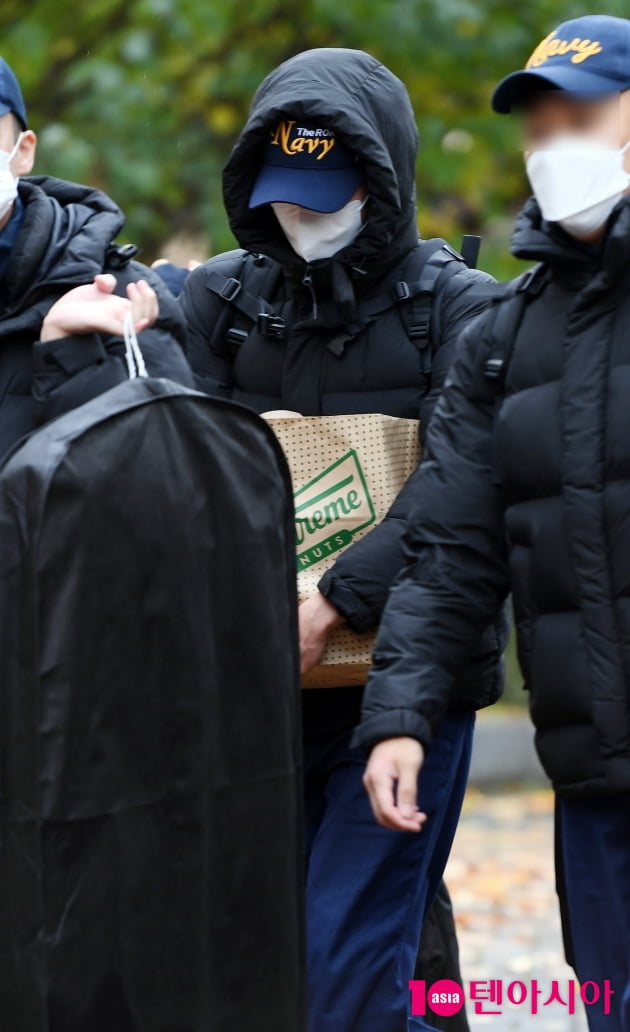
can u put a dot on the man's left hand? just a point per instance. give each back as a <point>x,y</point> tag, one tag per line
<point>391,781</point>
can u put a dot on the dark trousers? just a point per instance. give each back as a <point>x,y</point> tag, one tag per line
<point>369,888</point>
<point>593,858</point>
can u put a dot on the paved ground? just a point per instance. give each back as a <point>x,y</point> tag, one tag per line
<point>501,879</point>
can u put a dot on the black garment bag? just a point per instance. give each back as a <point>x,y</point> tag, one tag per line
<point>150,789</point>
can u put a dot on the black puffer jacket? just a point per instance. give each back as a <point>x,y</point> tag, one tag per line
<point>331,362</point>
<point>65,240</point>
<point>554,524</point>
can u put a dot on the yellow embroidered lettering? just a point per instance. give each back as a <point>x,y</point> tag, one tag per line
<point>327,145</point>
<point>551,46</point>
<point>540,53</point>
<point>315,140</point>
<point>586,49</point>
<point>282,135</point>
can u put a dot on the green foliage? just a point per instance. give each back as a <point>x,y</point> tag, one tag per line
<point>145,99</point>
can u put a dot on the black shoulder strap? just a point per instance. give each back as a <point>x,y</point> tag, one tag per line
<point>424,274</point>
<point>424,266</point>
<point>405,290</point>
<point>508,313</point>
<point>245,296</point>
<point>415,295</point>
<point>471,245</point>
<point>501,332</point>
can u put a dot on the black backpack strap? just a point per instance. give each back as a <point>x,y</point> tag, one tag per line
<point>471,245</point>
<point>504,326</point>
<point>414,295</point>
<point>245,296</point>
<point>501,332</point>
<point>417,311</point>
<point>405,290</point>
<point>246,293</point>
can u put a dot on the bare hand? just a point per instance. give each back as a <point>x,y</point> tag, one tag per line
<point>318,617</point>
<point>94,308</point>
<point>391,780</point>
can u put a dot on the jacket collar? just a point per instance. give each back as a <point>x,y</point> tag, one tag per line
<point>534,239</point>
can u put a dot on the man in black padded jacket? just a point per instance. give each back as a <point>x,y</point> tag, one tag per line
<point>57,241</point>
<point>317,314</point>
<point>526,487</point>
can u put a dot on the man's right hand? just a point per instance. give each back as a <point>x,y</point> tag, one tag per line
<point>318,617</point>
<point>391,780</point>
<point>94,308</point>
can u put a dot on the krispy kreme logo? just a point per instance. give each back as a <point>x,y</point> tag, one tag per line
<point>330,510</point>
<point>552,46</point>
<point>296,140</point>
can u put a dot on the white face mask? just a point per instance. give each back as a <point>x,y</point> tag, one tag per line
<point>8,182</point>
<point>315,235</point>
<point>577,182</point>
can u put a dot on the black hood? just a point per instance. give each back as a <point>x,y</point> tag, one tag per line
<point>64,237</point>
<point>535,239</point>
<point>369,109</point>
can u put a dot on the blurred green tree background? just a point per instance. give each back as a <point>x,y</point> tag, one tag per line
<point>144,99</point>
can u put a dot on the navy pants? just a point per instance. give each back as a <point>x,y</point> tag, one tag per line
<point>369,888</point>
<point>594,848</point>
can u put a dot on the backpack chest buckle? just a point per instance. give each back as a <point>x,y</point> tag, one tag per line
<point>272,326</point>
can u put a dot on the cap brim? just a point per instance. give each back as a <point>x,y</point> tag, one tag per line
<point>5,110</point>
<point>518,87</point>
<point>323,190</point>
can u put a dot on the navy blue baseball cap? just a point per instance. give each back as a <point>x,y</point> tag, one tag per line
<point>11,100</point>
<point>306,164</point>
<point>588,55</point>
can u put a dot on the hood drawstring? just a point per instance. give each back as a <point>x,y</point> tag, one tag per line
<point>307,281</point>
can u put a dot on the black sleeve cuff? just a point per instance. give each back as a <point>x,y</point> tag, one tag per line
<point>357,614</point>
<point>68,354</point>
<point>70,371</point>
<point>394,723</point>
